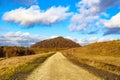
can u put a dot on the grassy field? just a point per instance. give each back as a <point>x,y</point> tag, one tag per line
<point>2,59</point>
<point>17,68</point>
<point>103,55</point>
<point>46,50</point>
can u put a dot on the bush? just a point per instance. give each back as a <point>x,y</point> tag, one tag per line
<point>29,51</point>
<point>2,52</point>
<point>15,51</point>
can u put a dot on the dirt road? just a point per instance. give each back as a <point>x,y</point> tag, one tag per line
<point>58,67</point>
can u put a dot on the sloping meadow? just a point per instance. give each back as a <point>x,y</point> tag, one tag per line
<point>102,55</point>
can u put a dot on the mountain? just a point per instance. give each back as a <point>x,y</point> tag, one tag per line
<point>58,42</point>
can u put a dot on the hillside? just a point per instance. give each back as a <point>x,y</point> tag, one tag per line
<point>110,48</point>
<point>102,55</point>
<point>58,42</point>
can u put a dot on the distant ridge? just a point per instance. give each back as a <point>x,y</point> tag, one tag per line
<point>108,48</point>
<point>58,42</point>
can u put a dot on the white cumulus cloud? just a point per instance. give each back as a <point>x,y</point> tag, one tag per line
<point>89,15</point>
<point>26,39</point>
<point>34,15</point>
<point>114,22</point>
<point>19,39</point>
<point>86,41</point>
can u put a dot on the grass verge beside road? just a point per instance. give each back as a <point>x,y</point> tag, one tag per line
<point>17,68</point>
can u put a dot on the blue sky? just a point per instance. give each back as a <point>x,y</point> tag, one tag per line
<point>24,22</point>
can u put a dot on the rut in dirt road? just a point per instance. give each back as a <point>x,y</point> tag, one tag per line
<point>58,67</point>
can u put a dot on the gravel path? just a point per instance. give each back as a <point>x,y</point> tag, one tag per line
<point>57,67</point>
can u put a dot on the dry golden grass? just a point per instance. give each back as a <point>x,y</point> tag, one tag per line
<point>103,55</point>
<point>1,59</point>
<point>111,64</point>
<point>10,67</point>
<point>46,50</point>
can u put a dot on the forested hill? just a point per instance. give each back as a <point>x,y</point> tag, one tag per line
<point>58,42</point>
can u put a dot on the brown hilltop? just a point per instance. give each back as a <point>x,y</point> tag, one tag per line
<point>58,42</point>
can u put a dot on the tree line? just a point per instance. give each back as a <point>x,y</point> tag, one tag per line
<point>7,51</point>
